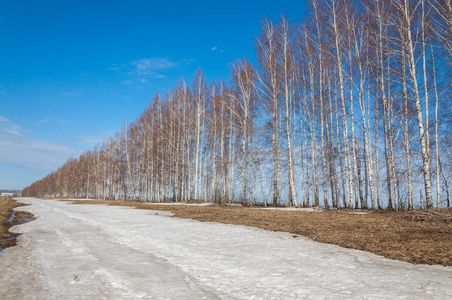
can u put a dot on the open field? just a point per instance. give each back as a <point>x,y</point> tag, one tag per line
<point>420,237</point>
<point>118,252</point>
<point>415,237</point>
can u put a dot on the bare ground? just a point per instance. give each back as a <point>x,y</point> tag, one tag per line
<point>7,239</point>
<point>420,237</point>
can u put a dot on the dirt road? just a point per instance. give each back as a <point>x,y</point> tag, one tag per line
<point>104,252</point>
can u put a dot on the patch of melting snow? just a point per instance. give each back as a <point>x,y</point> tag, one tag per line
<point>132,253</point>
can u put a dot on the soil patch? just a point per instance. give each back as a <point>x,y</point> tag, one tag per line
<point>415,237</point>
<point>9,218</point>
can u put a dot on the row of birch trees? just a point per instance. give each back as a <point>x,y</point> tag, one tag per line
<point>351,108</point>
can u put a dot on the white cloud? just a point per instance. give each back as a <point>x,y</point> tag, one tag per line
<point>12,129</point>
<point>154,63</point>
<point>42,121</point>
<point>8,127</point>
<point>16,148</point>
<point>151,67</point>
<point>141,80</point>
<point>127,82</point>
<point>216,49</point>
<point>3,93</point>
<point>3,119</point>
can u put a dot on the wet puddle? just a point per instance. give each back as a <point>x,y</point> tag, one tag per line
<point>11,219</point>
<point>15,220</point>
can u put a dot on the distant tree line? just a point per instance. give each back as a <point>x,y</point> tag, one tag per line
<point>351,108</point>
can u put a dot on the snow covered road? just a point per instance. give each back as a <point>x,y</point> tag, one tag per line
<point>104,252</point>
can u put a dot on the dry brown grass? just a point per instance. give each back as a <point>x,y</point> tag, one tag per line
<point>415,237</point>
<point>6,208</point>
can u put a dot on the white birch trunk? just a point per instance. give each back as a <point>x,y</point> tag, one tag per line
<point>335,25</point>
<point>425,151</point>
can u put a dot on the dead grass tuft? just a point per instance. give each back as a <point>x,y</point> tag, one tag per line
<point>444,215</point>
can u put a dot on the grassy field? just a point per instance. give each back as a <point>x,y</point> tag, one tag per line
<point>420,237</point>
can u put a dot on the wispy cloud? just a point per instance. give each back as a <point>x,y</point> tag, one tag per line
<point>3,119</point>
<point>127,82</point>
<point>185,61</point>
<point>115,67</point>
<point>42,121</point>
<point>8,127</point>
<point>11,129</point>
<point>3,93</point>
<point>153,64</point>
<point>216,49</point>
<point>73,94</point>
<point>153,67</point>
<point>17,148</point>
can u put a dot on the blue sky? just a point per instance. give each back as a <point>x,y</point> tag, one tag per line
<point>72,71</point>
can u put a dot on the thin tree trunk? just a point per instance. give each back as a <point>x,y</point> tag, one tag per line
<point>321,99</point>
<point>344,110</point>
<point>425,151</point>
<point>406,134</point>
<point>438,189</point>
